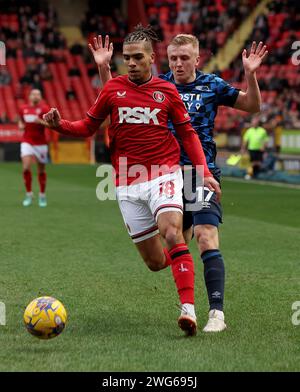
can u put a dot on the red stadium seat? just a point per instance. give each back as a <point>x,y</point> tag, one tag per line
<point>11,104</point>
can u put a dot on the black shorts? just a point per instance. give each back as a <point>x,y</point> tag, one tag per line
<point>210,211</point>
<point>256,155</point>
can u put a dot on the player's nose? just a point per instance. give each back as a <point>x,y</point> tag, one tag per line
<point>131,63</point>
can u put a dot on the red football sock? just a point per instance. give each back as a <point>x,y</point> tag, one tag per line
<point>27,180</point>
<point>168,258</point>
<point>42,181</point>
<point>183,272</point>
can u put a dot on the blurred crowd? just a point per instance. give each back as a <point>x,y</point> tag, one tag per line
<point>211,21</point>
<point>33,34</point>
<point>278,30</point>
<point>35,31</point>
<point>214,22</point>
<point>104,20</point>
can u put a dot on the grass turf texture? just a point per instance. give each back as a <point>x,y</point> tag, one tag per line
<point>123,317</point>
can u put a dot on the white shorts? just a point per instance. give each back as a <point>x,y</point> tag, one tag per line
<point>39,151</point>
<point>142,203</point>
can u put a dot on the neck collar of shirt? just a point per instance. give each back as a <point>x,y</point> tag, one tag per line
<point>139,84</point>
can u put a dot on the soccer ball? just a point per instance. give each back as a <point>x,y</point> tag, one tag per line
<point>45,317</point>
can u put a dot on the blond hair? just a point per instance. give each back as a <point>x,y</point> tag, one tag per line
<point>185,39</point>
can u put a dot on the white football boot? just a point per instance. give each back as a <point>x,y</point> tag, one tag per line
<point>187,320</point>
<point>42,200</point>
<point>215,321</point>
<point>28,199</point>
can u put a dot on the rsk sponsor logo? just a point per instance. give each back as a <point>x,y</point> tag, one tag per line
<point>138,115</point>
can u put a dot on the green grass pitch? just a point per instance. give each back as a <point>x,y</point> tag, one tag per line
<point>122,317</point>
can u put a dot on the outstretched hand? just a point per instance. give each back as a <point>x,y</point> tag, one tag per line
<point>52,118</point>
<point>102,54</point>
<point>256,56</point>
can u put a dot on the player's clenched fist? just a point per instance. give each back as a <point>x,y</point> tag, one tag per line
<point>52,118</point>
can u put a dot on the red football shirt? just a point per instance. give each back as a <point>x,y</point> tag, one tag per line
<point>34,133</point>
<point>139,123</point>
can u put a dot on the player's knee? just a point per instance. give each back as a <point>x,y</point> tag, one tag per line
<point>154,265</point>
<point>205,238</point>
<point>41,169</point>
<point>173,235</point>
<point>26,165</point>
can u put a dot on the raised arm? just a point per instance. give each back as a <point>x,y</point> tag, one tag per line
<point>250,100</point>
<point>102,56</point>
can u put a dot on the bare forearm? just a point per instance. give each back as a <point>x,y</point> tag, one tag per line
<point>252,96</point>
<point>104,73</point>
<point>253,91</point>
<point>250,100</point>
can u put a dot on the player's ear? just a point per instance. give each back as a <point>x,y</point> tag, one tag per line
<point>197,61</point>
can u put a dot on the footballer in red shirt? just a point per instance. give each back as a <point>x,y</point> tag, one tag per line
<point>150,199</point>
<point>34,146</point>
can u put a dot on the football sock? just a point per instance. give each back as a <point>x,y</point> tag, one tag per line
<point>168,258</point>
<point>183,272</point>
<point>214,276</point>
<point>27,180</point>
<point>42,181</point>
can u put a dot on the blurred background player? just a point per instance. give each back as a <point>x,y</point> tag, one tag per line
<point>255,140</point>
<point>152,206</point>
<point>202,94</point>
<point>34,146</point>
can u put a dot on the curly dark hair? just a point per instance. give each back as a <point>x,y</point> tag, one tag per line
<point>141,33</point>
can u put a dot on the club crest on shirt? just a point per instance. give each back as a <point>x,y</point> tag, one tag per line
<point>158,96</point>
